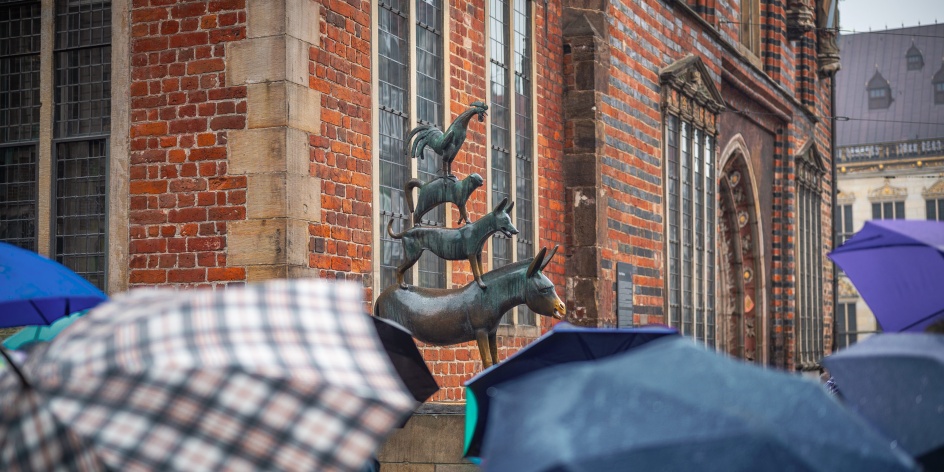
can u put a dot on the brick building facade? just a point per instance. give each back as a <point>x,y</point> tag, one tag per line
<point>686,143</point>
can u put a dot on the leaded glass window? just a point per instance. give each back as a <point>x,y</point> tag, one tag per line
<point>894,210</point>
<point>690,193</point>
<point>410,44</point>
<point>19,121</point>
<point>81,129</point>
<point>511,131</point>
<point>808,252</point>
<point>935,209</point>
<point>844,220</point>
<point>846,330</point>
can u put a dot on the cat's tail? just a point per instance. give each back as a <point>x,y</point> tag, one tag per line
<point>408,188</point>
<point>391,233</point>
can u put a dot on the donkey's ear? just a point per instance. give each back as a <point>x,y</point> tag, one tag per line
<point>549,256</point>
<point>510,206</point>
<point>501,205</point>
<point>536,264</point>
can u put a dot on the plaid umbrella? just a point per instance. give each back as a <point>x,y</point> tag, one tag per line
<point>277,376</point>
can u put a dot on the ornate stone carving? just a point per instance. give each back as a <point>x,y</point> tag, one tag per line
<point>846,290</point>
<point>800,19</point>
<point>888,192</point>
<point>827,25</point>
<point>936,190</point>
<point>691,93</point>
<point>845,197</point>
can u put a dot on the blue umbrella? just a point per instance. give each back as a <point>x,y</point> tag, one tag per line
<point>37,291</point>
<point>896,381</point>
<point>673,406</point>
<point>897,266</point>
<point>564,344</point>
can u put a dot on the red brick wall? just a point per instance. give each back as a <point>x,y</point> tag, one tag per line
<point>181,111</point>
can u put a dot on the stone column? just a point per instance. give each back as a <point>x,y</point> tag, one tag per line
<point>586,63</point>
<point>283,198</point>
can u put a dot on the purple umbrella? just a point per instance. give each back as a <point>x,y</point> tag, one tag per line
<point>898,268</point>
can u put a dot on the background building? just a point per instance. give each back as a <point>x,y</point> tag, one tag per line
<point>678,152</point>
<point>890,142</point>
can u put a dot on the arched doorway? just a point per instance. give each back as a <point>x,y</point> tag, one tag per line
<point>742,302</point>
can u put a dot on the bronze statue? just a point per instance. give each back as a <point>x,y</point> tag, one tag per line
<point>454,244</point>
<point>445,144</point>
<point>441,190</point>
<point>452,316</point>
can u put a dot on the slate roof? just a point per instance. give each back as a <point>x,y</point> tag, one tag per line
<point>912,90</point>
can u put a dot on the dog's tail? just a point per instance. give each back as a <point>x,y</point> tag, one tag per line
<point>391,233</point>
<point>408,188</point>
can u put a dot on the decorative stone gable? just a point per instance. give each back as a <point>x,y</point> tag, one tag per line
<point>888,193</point>
<point>936,191</point>
<point>691,94</point>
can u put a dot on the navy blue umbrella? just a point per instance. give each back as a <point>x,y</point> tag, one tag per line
<point>674,406</point>
<point>37,291</point>
<point>565,343</point>
<point>896,381</point>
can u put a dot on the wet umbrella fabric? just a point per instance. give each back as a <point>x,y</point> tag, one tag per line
<point>287,375</point>
<point>35,334</point>
<point>673,406</point>
<point>406,358</point>
<point>897,266</point>
<point>35,290</point>
<point>896,381</point>
<point>565,343</point>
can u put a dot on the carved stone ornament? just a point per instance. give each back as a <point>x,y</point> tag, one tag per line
<point>936,190</point>
<point>888,193</point>
<point>691,93</point>
<point>800,18</point>
<point>845,197</point>
<point>827,25</point>
<point>846,290</point>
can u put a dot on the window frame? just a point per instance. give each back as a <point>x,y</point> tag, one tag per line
<point>809,260</point>
<point>749,30</point>
<point>416,168</point>
<point>521,316</point>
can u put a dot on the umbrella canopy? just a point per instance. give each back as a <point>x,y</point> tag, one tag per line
<point>35,290</point>
<point>287,375</point>
<point>897,266</point>
<point>563,344</point>
<point>673,406</point>
<point>406,358</point>
<point>35,334</point>
<point>896,381</point>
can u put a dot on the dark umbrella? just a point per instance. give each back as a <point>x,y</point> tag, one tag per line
<point>565,343</point>
<point>673,406</point>
<point>35,290</point>
<point>897,266</point>
<point>896,381</point>
<point>406,358</point>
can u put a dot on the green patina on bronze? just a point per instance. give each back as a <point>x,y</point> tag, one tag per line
<point>451,316</point>
<point>446,144</point>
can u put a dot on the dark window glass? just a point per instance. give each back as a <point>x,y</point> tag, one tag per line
<point>82,110</point>
<point>809,257</point>
<point>499,109</point>
<point>690,224</point>
<point>19,121</point>
<point>80,207</point>
<point>915,61</point>
<point>524,170</point>
<point>846,329</point>
<point>935,209</point>
<point>429,110</point>
<point>899,210</point>
<point>880,98</point>
<point>393,121</point>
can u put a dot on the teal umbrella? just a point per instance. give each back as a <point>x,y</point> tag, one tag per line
<point>32,334</point>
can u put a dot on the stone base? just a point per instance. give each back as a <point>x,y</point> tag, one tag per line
<point>431,441</point>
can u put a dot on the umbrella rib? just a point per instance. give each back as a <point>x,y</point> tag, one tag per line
<point>16,369</point>
<point>38,311</point>
<point>932,315</point>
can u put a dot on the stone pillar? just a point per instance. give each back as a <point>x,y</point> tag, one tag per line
<point>586,62</point>
<point>282,197</point>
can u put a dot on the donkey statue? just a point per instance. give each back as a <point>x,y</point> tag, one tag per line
<point>451,316</point>
<point>454,244</point>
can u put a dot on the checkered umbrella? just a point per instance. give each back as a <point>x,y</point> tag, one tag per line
<point>287,375</point>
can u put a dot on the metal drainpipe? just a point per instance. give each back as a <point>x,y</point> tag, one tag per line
<point>835,192</point>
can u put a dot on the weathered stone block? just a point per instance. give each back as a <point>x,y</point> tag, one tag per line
<point>281,194</point>
<point>264,150</point>
<point>581,170</point>
<point>273,104</point>
<point>578,104</point>
<point>273,241</point>
<point>429,439</point>
<point>267,59</point>
<point>298,18</point>
<point>282,271</point>
<point>585,216</point>
<point>584,261</point>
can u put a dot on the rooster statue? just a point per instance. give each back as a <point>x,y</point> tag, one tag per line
<point>445,144</point>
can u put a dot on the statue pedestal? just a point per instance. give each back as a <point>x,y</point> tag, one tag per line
<point>431,441</point>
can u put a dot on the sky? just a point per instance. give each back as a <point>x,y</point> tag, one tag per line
<point>860,15</point>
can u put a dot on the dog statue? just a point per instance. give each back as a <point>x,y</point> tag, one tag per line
<point>441,190</point>
<point>454,244</point>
